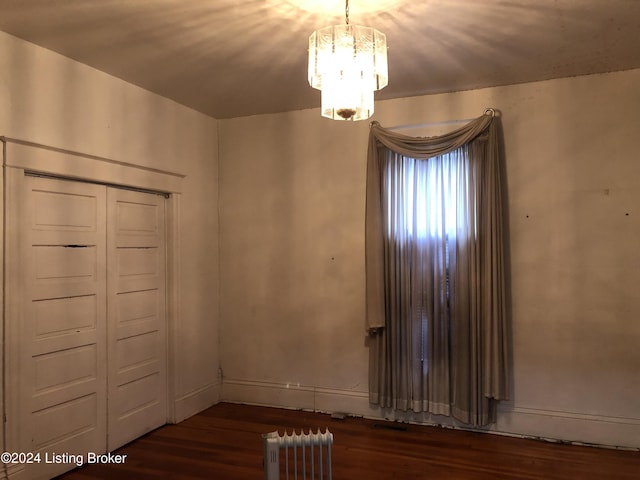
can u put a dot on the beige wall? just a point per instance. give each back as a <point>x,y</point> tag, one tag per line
<point>51,100</point>
<point>292,261</point>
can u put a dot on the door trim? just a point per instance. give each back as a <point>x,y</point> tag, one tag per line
<point>71,165</point>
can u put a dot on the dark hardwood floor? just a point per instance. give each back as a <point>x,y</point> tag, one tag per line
<point>224,442</point>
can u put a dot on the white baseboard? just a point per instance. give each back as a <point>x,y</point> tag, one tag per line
<point>296,396</point>
<point>597,430</point>
<point>16,473</point>
<point>196,401</point>
<point>580,428</point>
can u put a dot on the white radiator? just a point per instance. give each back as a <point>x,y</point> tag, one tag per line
<point>297,456</point>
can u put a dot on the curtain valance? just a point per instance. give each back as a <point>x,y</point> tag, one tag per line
<point>426,147</point>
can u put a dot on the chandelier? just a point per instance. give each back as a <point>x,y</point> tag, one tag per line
<point>347,63</point>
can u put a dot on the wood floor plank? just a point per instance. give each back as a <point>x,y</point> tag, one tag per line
<point>224,442</point>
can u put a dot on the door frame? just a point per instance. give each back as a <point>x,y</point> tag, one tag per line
<point>21,157</point>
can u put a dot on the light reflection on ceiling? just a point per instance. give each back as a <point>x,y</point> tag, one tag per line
<point>230,58</point>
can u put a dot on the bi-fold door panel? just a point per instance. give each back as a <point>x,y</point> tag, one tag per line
<point>64,329</point>
<point>136,305</point>
<point>92,352</point>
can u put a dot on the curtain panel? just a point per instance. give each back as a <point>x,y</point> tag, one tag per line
<point>455,362</point>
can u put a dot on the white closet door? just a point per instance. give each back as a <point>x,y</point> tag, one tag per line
<point>63,353</point>
<point>136,309</point>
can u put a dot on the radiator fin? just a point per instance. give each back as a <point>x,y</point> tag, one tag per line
<point>297,455</point>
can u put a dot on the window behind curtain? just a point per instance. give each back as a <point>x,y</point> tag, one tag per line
<point>429,198</point>
<point>429,212</point>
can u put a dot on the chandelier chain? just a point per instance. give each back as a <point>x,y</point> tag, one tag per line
<point>346,11</point>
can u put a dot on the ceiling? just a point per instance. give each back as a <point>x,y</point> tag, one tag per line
<point>231,58</point>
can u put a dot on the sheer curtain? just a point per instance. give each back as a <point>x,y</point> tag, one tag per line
<point>436,305</point>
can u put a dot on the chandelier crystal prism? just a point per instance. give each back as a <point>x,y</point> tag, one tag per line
<point>347,63</point>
